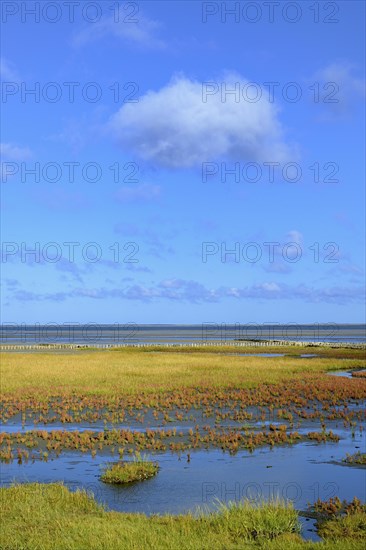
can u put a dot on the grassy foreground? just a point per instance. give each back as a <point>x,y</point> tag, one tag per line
<point>112,383</point>
<point>131,371</point>
<point>45,517</point>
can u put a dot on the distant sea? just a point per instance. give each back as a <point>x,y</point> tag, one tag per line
<point>132,333</point>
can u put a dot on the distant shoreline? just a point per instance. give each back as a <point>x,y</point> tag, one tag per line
<point>234,343</point>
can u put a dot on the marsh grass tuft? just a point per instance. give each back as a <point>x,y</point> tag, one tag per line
<point>128,472</point>
<point>261,521</point>
<point>357,458</point>
<point>350,526</point>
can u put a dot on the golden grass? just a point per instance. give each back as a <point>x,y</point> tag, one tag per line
<point>132,371</point>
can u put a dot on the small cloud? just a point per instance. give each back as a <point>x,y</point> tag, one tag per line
<point>11,152</point>
<point>170,283</point>
<point>271,287</point>
<point>295,236</point>
<point>137,30</point>
<point>10,156</point>
<point>29,296</point>
<point>342,74</point>
<point>71,268</point>
<point>8,71</point>
<point>338,87</point>
<point>174,127</point>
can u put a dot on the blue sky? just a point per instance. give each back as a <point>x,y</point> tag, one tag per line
<point>155,171</point>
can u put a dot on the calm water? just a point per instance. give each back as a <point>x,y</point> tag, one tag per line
<point>343,373</point>
<point>132,333</point>
<point>301,473</point>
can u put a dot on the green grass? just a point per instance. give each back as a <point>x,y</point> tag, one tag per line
<point>128,472</point>
<point>49,517</point>
<point>349,526</point>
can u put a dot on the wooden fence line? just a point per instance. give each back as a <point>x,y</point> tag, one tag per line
<point>247,343</point>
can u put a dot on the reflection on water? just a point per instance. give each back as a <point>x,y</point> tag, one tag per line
<point>257,354</point>
<point>343,373</point>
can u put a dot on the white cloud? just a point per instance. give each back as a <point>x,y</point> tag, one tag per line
<point>137,30</point>
<point>174,127</point>
<point>342,74</point>
<point>270,287</point>
<point>338,90</point>
<point>294,236</point>
<point>11,152</point>
<point>10,155</point>
<point>7,71</point>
